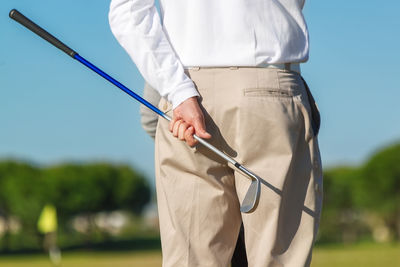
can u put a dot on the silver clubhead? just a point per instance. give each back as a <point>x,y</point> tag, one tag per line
<point>251,198</point>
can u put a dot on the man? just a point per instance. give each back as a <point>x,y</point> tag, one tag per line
<point>228,71</point>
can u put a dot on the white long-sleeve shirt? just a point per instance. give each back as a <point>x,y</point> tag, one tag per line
<point>206,33</point>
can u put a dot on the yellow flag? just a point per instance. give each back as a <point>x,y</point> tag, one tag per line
<point>48,219</point>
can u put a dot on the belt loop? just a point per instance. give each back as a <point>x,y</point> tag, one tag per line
<point>287,66</point>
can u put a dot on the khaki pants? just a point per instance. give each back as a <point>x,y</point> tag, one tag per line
<point>149,118</point>
<point>262,118</point>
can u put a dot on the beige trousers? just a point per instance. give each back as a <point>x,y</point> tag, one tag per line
<point>262,118</point>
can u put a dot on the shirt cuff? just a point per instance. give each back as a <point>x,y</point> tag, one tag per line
<point>181,94</point>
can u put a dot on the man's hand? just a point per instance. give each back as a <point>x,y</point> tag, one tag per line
<point>188,119</point>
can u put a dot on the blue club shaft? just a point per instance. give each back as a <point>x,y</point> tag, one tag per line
<point>120,86</point>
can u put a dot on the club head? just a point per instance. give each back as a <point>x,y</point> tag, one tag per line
<point>251,198</point>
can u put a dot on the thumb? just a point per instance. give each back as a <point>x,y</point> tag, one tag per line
<point>200,129</point>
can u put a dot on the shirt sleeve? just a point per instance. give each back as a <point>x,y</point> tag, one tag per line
<point>137,27</point>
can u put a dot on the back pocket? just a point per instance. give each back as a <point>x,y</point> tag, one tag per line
<point>267,92</point>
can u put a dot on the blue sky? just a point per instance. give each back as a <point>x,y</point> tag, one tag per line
<point>52,109</point>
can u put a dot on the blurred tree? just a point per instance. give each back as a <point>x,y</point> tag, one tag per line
<point>341,221</point>
<point>90,188</point>
<point>380,185</point>
<point>131,190</point>
<point>20,197</point>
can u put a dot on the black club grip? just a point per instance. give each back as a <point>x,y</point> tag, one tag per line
<point>17,16</point>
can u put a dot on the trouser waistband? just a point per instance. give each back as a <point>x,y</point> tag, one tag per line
<point>284,66</point>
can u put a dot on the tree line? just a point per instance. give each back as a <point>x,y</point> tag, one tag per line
<point>360,202</point>
<point>72,188</point>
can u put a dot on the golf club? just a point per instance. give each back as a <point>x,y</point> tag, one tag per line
<point>250,200</point>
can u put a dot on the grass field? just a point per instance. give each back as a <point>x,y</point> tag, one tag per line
<point>365,255</point>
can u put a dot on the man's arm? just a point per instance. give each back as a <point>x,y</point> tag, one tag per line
<point>136,25</point>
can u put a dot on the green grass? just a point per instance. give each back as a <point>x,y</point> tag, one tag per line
<point>88,259</point>
<point>368,255</point>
